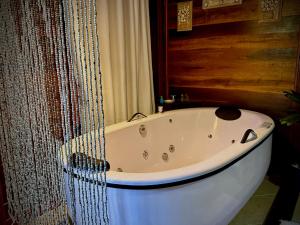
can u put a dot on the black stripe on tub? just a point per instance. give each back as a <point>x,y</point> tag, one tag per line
<point>176,183</point>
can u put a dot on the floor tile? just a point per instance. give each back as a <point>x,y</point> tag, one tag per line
<point>267,189</point>
<point>296,215</point>
<point>256,209</point>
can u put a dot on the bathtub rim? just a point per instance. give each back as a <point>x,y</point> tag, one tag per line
<point>174,183</point>
<point>187,174</point>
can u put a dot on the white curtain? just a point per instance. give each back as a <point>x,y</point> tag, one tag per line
<point>125,44</point>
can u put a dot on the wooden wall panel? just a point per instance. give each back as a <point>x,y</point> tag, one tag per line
<point>230,57</point>
<point>290,7</point>
<point>247,11</point>
<point>159,37</point>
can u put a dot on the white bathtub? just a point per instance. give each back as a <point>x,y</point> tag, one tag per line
<point>187,168</point>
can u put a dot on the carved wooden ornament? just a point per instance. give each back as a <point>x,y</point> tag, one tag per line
<point>270,10</point>
<point>209,4</point>
<point>184,16</point>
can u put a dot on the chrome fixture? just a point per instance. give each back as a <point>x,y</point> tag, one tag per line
<point>137,116</point>
<point>170,101</point>
<point>248,136</point>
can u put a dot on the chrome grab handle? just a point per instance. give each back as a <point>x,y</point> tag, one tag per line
<point>136,116</point>
<point>246,138</point>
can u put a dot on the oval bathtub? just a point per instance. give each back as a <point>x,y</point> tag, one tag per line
<point>183,167</point>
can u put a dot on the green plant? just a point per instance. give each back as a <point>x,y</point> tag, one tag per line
<point>294,116</point>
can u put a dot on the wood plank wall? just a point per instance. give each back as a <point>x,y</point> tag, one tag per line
<point>231,58</point>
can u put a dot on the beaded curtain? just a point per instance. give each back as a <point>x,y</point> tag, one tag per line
<point>50,96</point>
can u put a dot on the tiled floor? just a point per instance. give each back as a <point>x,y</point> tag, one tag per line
<point>253,213</point>
<point>256,209</point>
<point>296,216</point>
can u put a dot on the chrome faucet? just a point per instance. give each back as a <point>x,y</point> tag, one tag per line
<point>137,116</point>
<point>170,101</point>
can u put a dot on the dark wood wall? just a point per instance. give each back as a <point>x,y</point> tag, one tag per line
<point>231,57</point>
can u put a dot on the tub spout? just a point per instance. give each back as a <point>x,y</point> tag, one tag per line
<point>136,116</point>
<point>170,101</point>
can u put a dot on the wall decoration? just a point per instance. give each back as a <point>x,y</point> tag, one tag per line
<point>184,16</point>
<point>209,4</point>
<point>270,10</point>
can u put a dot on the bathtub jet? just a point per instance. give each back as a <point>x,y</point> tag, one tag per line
<point>187,167</point>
